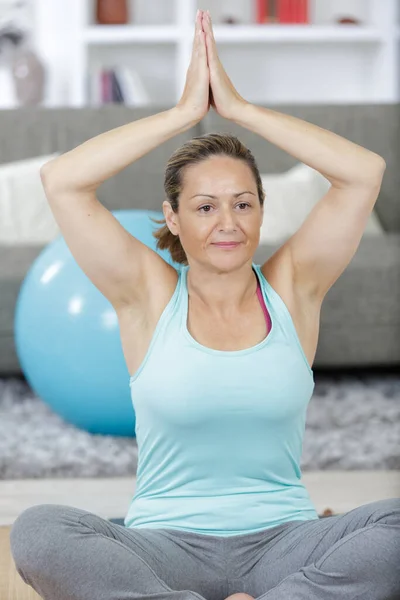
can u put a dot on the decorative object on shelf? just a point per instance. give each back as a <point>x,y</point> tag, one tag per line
<point>9,35</point>
<point>348,21</point>
<point>22,72</point>
<point>282,11</point>
<point>230,21</point>
<point>28,74</point>
<point>266,11</point>
<point>112,12</point>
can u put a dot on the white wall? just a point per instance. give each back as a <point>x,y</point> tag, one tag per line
<point>53,29</point>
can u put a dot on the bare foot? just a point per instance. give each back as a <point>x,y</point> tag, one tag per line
<point>240,596</point>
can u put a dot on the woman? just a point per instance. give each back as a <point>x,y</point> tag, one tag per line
<point>220,354</point>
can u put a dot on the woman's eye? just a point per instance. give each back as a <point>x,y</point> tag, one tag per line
<point>240,204</point>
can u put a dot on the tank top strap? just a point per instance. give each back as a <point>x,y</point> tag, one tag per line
<point>280,314</point>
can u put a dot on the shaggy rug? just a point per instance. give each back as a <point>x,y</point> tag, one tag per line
<point>353,423</point>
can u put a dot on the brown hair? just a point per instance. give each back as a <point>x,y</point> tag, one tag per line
<point>193,152</point>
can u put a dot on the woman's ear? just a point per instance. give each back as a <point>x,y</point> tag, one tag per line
<point>170,217</point>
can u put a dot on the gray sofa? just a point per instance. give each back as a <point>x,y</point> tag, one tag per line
<point>360,316</point>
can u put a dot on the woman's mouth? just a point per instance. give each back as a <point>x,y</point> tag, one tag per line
<point>227,244</point>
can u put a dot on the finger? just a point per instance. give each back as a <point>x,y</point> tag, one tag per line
<point>202,51</point>
<point>201,37</point>
<point>207,23</point>
<point>197,26</point>
<point>199,41</point>
<point>210,48</point>
<point>208,51</point>
<point>209,34</point>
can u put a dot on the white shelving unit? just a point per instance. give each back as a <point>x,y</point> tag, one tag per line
<point>319,63</point>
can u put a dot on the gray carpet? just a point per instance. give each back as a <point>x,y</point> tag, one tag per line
<point>353,423</point>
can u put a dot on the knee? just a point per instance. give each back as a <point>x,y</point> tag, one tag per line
<point>382,544</point>
<point>29,536</point>
<point>387,511</point>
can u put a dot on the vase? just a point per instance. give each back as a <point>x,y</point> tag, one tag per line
<point>112,12</point>
<point>28,76</point>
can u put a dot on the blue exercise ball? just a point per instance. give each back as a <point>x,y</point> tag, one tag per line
<point>67,336</point>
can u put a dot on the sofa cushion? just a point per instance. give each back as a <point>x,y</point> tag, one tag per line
<point>25,214</point>
<point>290,197</point>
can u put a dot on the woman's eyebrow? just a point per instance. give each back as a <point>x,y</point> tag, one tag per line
<point>215,197</point>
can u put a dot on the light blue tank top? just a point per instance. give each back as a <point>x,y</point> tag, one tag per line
<point>220,433</point>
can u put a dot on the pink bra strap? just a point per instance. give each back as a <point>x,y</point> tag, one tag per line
<point>261,299</point>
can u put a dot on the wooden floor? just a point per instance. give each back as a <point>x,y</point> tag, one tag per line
<point>339,491</point>
<point>333,491</point>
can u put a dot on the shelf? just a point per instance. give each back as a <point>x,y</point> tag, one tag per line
<point>296,33</point>
<point>122,34</point>
<point>353,63</point>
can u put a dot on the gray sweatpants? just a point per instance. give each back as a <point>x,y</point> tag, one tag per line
<point>66,553</point>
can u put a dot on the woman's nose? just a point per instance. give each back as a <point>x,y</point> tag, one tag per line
<point>227,218</point>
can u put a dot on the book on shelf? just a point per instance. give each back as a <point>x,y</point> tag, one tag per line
<point>282,11</point>
<point>120,85</point>
<point>116,91</point>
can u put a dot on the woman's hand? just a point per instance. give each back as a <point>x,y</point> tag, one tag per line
<point>225,99</point>
<point>195,99</point>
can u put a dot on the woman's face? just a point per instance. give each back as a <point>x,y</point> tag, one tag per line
<point>233,214</point>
